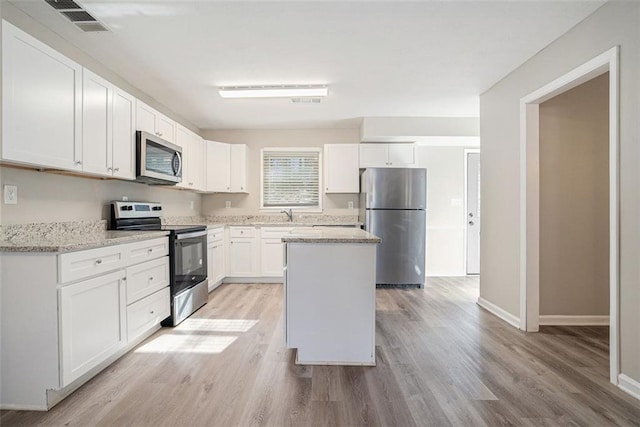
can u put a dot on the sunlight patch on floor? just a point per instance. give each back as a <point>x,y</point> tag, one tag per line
<point>199,344</point>
<point>216,325</point>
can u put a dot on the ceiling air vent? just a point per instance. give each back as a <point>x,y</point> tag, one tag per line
<point>306,100</point>
<point>77,15</point>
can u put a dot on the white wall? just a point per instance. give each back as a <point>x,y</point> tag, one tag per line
<point>249,204</point>
<point>615,23</point>
<point>445,209</point>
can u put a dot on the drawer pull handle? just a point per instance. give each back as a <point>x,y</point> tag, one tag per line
<point>98,261</point>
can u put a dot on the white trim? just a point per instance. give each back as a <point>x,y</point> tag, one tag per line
<point>497,311</point>
<point>562,320</point>
<point>629,385</point>
<point>17,407</point>
<point>529,194</point>
<point>251,280</point>
<point>450,274</point>
<point>467,151</point>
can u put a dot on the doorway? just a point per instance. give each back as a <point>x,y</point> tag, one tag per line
<point>472,211</point>
<point>530,195</point>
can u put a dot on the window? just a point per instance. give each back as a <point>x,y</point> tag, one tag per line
<point>291,178</point>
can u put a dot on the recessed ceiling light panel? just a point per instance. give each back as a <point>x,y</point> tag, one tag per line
<point>282,91</point>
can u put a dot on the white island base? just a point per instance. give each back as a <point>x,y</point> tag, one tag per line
<point>330,302</point>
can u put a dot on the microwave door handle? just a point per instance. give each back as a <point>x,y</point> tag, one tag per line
<point>177,172</point>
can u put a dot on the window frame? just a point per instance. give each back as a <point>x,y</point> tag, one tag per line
<point>317,208</point>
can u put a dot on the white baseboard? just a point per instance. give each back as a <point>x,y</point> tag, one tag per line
<point>501,313</point>
<point>12,407</point>
<point>248,280</point>
<point>629,385</point>
<point>446,274</point>
<point>561,320</point>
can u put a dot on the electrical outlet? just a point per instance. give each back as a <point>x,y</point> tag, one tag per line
<point>350,204</point>
<point>227,204</point>
<point>191,204</point>
<point>125,199</point>
<point>10,194</point>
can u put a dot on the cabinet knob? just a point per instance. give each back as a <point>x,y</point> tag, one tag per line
<point>109,169</point>
<point>150,278</point>
<point>150,250</point>
<point>228,188</point>
<point>151,312</point>
<point>159,133</point>
<point>242,188</point>
<point>98,261</point>
<point>116,169</point>
<point>78,163</point>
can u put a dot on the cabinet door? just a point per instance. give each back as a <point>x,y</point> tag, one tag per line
<point>183,139</point>
<point>272,263</point>
<point>97,99</point>
<point>238,168</point>
<point>373,155</point>
<point>166,128</point>
<point>218,261</point>
<point>243,258</point>
<point>92,323</point>
<point>341,174</point>
<point>197,158</point>
<point>218,159</point>
<point>146,118</point>
<point>124,143</point>
<point>41,103</point>
<point>402,155</point>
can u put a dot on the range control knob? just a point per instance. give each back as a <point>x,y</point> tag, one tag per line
<point>157,208</point>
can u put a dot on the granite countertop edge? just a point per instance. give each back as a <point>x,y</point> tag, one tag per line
<point>211,225</point>
<point>71,244</point>
<point>313,239</point>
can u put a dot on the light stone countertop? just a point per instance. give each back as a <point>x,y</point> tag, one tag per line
<point>74,242</point>
<point>330,235</point>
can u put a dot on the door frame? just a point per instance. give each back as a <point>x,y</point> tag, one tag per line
<point>530,195</point>
<point>467,151</point>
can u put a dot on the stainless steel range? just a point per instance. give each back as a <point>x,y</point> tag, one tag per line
<point>187,254</point>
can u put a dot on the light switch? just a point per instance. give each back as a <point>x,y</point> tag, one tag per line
<point>10,194</point>
<point>350,204</point>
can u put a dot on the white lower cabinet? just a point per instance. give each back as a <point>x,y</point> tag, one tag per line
<point>92,323</point>
<point>271,251</point>
<point>67,316</point>
<point>215,257</point>
<point>243,257</point>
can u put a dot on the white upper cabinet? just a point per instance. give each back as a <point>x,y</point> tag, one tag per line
<point>379,155</point>
<point>218,161</point>
<point>107,129</point>
<point>123,135</point>
<point>341,174</point>
<point>193,159</point>
<point>152,121</point>
<point>238,168</point>
<point>97,118</point>
<point>41,103</point>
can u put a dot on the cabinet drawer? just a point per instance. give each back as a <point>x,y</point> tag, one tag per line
<point>215,234</point>
<point>79,265</point>
<point>275,232</point>
<point>147,278</point>
<point>242,232</point>
<point>146,313</point>
<point>146,250</point>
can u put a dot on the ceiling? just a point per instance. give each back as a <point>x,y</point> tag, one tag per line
<point>421,58</point>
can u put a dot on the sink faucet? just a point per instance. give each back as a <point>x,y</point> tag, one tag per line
<point>289,214</point>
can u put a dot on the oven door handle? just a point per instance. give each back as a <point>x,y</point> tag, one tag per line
<point>190,235</point>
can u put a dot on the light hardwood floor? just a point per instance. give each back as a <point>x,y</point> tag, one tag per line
<point>442,360</point>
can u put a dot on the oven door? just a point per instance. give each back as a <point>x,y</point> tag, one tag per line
<point>189,260</point>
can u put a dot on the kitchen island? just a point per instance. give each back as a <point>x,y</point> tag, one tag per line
<point>329,291</point>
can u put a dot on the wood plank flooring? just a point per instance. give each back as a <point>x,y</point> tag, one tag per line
<point>441,361</point>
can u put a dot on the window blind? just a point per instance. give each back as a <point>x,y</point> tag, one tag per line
<point>290,178</point>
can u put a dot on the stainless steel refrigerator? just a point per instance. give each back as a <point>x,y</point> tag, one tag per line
<point>393,204</point>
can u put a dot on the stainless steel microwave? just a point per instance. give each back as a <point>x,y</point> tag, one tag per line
<point>158,161</point>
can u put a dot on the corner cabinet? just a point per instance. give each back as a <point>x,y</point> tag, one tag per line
<point>378,155</point>
<point>41,103</point>
<point>226,167</point>
<point>341,173</point>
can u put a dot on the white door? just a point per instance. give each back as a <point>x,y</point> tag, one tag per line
<point>272,263</point>
<point>402,155</point>
<point>243,258</point>
<point>374,155</point>
<point>473,213</point>
<point>218,155</point>
<point>341,174</point>
<point>124,143</point>
<point>238,168</point>
<point>166,128</point>
<point>146,118</point>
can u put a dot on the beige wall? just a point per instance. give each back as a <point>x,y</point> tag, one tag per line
<point>50,197</point>
<point>256,140</point>
<point>574,201</point>
<point>615,23</point>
